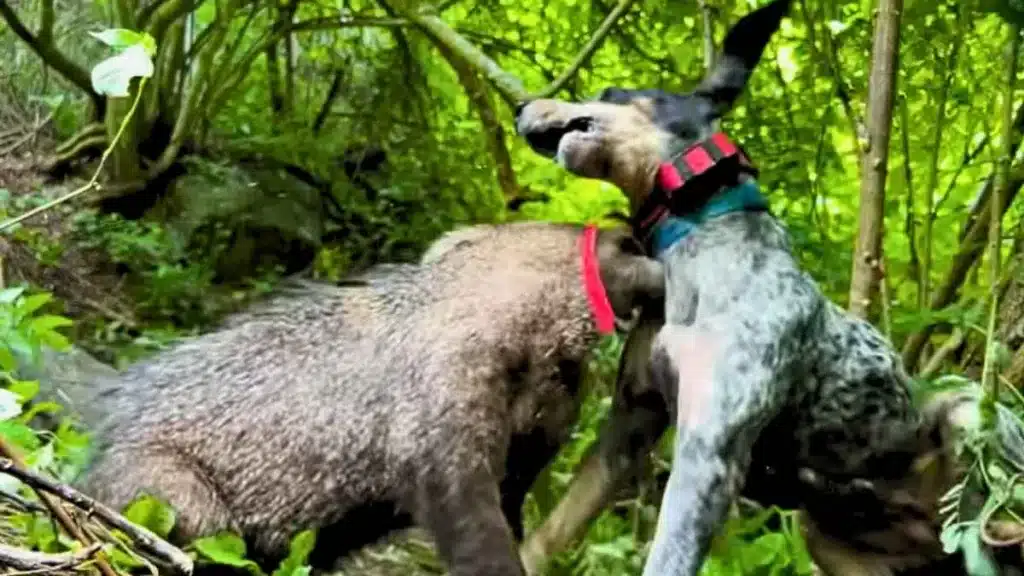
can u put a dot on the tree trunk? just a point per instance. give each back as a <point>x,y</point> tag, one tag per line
<point>874,159</point>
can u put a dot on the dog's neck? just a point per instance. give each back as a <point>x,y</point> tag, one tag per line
<point>710,178</point>
<point>743,197</point>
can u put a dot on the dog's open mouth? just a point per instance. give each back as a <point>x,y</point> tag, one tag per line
<point>546,141</point>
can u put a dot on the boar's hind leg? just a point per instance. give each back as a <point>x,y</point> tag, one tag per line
<point>119,475</point>
<point>463,513</point>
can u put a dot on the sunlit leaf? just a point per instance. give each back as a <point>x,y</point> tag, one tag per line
<point>151,513</point>
<point>112,76</point>
<point>10,404</point>
<point>228,549</point>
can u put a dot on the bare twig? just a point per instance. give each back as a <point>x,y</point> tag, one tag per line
<point>587,52</point>
<point>36,562</point>
<point>990,372</point>
<point>875,157</point>
<point>28,135</point>
<point>92,183</point>
<point>18,501</point>
<point>142,537</point>
<point>932,183</point>
<point>12,461</point>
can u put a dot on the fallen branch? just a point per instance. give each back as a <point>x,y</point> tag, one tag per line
<point>140,536</point>
<point>30,561</point>
<point>13,462</point>
<point>26,505</point>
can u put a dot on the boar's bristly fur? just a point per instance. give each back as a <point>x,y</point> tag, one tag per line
<point>429,393</point>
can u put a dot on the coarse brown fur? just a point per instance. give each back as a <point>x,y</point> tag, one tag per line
<point>428,393</point>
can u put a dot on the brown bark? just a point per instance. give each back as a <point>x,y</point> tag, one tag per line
<point>874,159</point>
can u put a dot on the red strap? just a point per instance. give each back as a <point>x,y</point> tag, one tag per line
<point>600,307</point>
<point>673,191</point>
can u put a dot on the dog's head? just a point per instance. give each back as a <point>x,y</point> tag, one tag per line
<point>623,135</point>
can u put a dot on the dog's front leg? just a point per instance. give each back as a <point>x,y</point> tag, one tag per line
<point>725,389</point>
<point>638,419</point>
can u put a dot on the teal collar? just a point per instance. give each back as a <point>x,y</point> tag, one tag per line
<point>741,198</point>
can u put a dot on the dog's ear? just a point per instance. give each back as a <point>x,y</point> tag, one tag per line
<point>741,51</point>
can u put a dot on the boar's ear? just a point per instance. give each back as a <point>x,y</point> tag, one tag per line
<point>742,50</point>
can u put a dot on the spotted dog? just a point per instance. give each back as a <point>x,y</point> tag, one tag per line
<point>771,386</point>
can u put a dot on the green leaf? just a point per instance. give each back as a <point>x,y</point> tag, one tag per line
<point>8,363</point>
<point>951,538</point>
<point>9,295</point>
<point>227,549</point>
<point>27,389</point>
<point>30,304</point>
<point>764,550</point>
<point>121,39</point>
<point>298,554</point>
<point>153,514</point>
<point>50,322</point>
<point>10,404</point>
<point>112,76</point>
<point>19,434</point>
<point>977,558</point>
<point>41,459</point>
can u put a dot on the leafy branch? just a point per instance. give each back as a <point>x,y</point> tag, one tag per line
<point>42,44</point>
<point>508,85</point>
<point>112,77</point>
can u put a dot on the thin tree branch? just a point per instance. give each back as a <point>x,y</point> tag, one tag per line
<point>709,34</point>
<point>588,50</point>
<point>971,248</point>
<point>44,48</point>
<point>508,85</point>
<point>830,58</point>
<point>12,461</point>
<point>332,95</point>
<point>30,561</point>
<point>493,131</point>
<point>990,371</point>
<point>874,159</point>
<point>142,537</point>
<point>909,224</point>
<point>924,282</point>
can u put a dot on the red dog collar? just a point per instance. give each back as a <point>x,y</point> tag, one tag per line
<point>700,171</point>
<point>593,287</point>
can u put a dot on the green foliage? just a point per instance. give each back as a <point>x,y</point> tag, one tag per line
<point>227,549</point>
<point>397,95</point>
<point>133,60</point>
<point>151,513</point>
